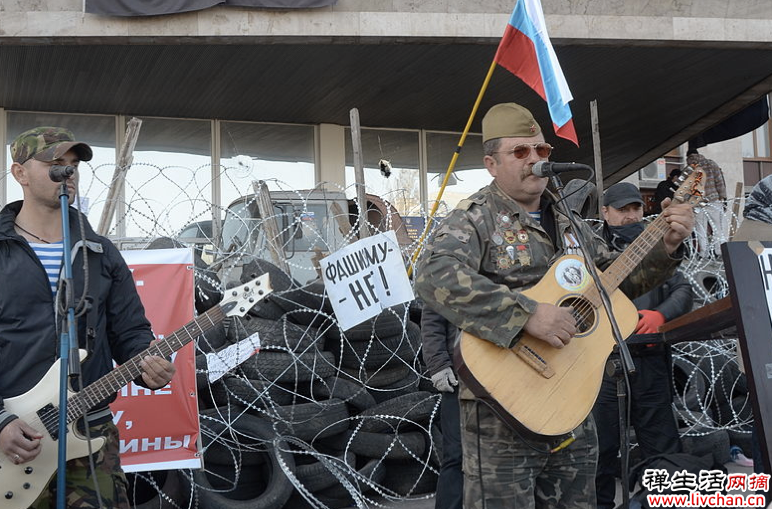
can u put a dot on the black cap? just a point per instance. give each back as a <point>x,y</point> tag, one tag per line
<point>621,194</point>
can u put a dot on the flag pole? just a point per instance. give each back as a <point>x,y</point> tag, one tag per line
<point>452,165</point>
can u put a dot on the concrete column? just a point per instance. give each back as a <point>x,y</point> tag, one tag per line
<point>331,154</point>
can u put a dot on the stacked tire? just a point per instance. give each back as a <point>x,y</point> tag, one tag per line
<point>336,417</point>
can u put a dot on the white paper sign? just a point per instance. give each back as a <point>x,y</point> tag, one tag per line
<point>364,278</point>
<point>765,263</point>
<point>219,363</point>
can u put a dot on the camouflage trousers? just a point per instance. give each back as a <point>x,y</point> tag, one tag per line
<point>81,484</point>
<point>501,470</point>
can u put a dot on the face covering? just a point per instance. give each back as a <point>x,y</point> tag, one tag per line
<point>622,236</point>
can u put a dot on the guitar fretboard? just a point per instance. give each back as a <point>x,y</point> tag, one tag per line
<point>613,276</point>
<point>81,402</point>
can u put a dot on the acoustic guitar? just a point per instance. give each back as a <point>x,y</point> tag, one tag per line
<point>21,485</point>
<point>544,391</point>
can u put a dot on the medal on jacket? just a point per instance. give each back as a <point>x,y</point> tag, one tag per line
<point>523,256</point>
<point>497,239</point>
<point>510,236</point>
<point>503,220</point>
<point>522,236</point>
<point>511,253</point>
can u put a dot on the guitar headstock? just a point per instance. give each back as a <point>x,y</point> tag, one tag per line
<point>691,189</point>
<point>240,299</point>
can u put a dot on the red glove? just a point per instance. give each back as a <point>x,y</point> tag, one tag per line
<point>649,322</point>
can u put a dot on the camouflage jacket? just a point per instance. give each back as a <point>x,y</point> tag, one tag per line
<point>489,249</point>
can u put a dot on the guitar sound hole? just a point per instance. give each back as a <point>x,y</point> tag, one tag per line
<point>583,312</point>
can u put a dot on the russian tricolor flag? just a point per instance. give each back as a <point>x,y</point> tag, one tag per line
<point>526,51</point>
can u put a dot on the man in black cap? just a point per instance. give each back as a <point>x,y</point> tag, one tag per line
<point>115,327</point>
<point>650,393</point>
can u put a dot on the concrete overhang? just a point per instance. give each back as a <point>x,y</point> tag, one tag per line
<point>658,80</point>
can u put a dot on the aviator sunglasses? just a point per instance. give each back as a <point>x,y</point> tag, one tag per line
<point>543,150</point>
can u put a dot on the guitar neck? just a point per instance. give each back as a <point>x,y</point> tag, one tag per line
<point>81,402</point>
<point>613,276</point>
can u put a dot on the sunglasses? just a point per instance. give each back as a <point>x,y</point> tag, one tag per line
<point>543,150</point>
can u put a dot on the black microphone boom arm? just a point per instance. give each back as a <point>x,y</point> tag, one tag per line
<point>550,169</point>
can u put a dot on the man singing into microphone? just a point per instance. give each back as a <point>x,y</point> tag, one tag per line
<point>115,327</point>
<point>495,244</point>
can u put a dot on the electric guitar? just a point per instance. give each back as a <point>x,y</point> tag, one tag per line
<point>544,391</point>
<point>21,485</point>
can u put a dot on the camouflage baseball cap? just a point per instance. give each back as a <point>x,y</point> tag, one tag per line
<point>509,120</point>
<point>47,144</point>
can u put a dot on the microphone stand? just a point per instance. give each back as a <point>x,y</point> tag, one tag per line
<point>68,348</point>
<point>624,352</point>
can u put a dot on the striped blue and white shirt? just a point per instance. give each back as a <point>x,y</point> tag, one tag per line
<point>51,257</point>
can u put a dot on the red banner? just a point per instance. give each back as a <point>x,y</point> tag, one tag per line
<point>159,429</point>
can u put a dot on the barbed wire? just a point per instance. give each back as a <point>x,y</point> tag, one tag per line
<point>355,408</point>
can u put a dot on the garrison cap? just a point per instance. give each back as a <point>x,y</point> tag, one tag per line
<point>47,144</point>
<point>509,120</point>
<point>621,194</point>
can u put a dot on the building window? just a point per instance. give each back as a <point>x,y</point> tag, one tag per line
<point>280,154</point>
<point>756,144</point>
<point>399,181</point>
<point>757,156</point>
<point>169,183</point>
<point>469,173</point>
<point>98,131</point>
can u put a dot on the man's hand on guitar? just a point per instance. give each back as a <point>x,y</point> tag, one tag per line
<point>680,218</point>
<point>552,324</point>
<point>20,442</point>
<point>156,371</point>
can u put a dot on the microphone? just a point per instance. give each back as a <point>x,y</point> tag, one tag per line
<point>59,173</point>
<point>550,169</point>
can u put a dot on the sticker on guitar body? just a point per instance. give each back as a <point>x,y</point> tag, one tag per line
<point>571,275</point>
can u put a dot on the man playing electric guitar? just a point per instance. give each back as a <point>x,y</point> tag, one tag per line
<point>495,244</point>
<point>114,327</point>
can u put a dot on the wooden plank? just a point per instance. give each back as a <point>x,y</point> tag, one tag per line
<point>738,193</point>
<point>341,218</point>
<point>596,153</point>
<point>701,323</point>
<point>359,175</point>
<point>269,224</point>
<point>125,158</point>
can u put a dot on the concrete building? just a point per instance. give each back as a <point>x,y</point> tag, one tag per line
<point>253,93</point>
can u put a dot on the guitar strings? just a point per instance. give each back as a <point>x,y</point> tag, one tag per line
<point>81,402</point>
<point>584,311</point>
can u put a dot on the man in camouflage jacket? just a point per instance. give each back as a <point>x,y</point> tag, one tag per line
<point>497,242</point>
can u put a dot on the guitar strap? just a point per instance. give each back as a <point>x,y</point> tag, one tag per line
<point>94,271</point>
<point>548,221</point>
<point>94,251</point>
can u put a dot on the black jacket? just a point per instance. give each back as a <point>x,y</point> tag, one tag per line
<point>438,337</point>
<point>29,329</point>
